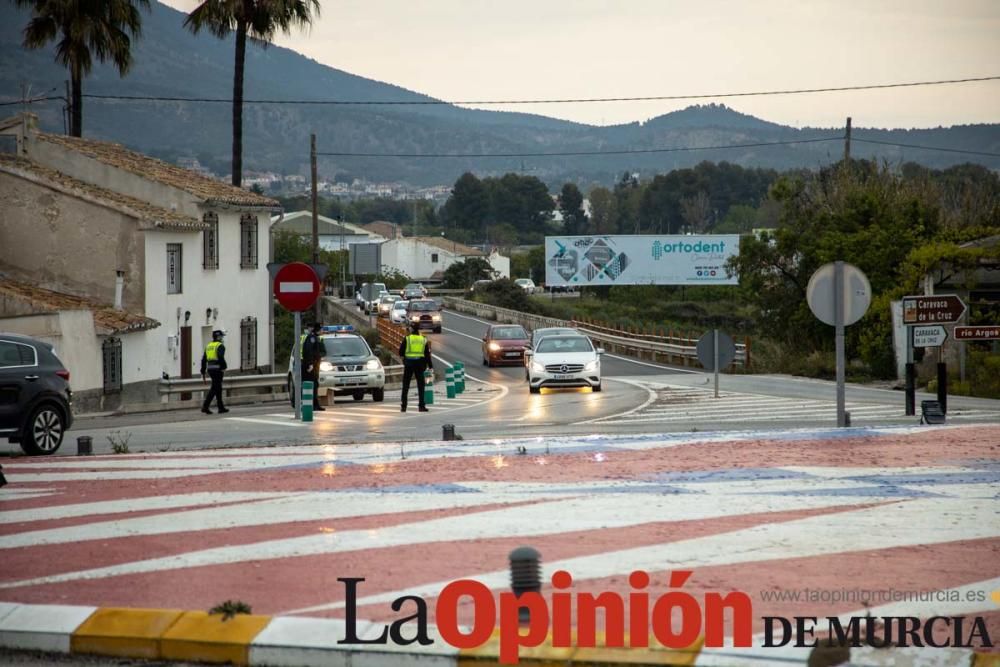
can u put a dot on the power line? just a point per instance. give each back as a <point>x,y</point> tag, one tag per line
<point>926,148</point>
<point>582,100</point>
<point>631,151</point>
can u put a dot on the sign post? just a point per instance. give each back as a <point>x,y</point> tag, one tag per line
<point>839,294</point>
<point>923,315</point>
<point>296,287</point>
<point>715,350</point>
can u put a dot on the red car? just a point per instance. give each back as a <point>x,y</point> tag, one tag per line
<point>504,344</point>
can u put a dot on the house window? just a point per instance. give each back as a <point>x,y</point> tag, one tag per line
<point>174,268</point>
<point>248,241</point>
<point>248,343</point>
<point>434,258</point>
<point>210,242</point>
<point>111,354</point>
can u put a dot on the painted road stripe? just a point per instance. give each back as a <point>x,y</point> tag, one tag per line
<point>267,422</point>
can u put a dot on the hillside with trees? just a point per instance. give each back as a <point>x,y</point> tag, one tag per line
<point>168,61</point>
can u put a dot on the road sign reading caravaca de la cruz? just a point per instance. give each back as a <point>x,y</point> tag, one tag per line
<point>936,309</point>
<point>983,332</point>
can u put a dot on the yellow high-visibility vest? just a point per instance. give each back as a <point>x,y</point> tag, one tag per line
<point>212,350</point>
<point>302,344</point>
<point>415,345</point>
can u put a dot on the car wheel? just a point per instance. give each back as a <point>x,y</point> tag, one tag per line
<point>358,395</point>
<point>378,395</point>
<point>291,391</point>
<point>535,390</point>
<point>44,431</point>
<point>484,361</point>
<point>438,330</point>
<point>596,388</point>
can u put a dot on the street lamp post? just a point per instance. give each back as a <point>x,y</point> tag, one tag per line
<point>343,257</point>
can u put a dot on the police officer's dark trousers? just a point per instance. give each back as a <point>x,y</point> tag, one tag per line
<point>413,367</point>
<point>216,390</point>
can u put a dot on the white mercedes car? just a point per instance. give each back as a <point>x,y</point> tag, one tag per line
<point>564,361</point>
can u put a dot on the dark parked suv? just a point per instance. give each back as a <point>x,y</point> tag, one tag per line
<point>35,398</point>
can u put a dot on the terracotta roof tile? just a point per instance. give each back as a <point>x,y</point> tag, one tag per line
<point>118,156</point>
<point>153,215</point>
<point>459,249</point>
<point>106,318</point>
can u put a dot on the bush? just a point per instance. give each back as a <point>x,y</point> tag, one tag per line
<point>504,293</point>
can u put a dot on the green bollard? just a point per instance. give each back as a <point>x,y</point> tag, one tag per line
<point>459,377</point>
<point>449,382</point>
<point>307,401</point>
<point>428,388</point>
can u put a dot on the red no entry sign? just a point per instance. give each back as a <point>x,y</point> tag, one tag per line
<point>296,286</point>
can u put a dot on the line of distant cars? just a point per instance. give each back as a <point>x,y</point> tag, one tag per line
<point>552,357</point>
<point>409,306</point>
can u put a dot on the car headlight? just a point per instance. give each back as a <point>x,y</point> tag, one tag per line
<point>435,316</point>
<point>373,365</point>
<point>590,365</point>
<point>493,347</point>
<point>415,318</point>
<point>537,367</point>
<point>325,366</point>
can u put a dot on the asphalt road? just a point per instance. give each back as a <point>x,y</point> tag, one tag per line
<point>637,397</point>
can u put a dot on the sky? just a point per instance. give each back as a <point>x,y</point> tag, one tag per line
<point>544,49</point>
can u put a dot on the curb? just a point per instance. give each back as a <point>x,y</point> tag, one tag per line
<point>293,641</point>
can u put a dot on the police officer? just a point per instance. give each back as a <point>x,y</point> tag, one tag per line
<point>312,350</point>
<point>213,361</point>
<point>416,353</point>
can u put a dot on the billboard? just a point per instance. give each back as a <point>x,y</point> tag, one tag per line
<point>639,260</point>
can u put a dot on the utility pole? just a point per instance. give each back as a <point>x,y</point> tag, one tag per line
<point>847,142</point>
<point>69,110</point>
<point>315,214</point>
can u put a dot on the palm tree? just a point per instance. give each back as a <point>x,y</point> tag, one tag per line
<point>259,20</point>
<point>85,29</point>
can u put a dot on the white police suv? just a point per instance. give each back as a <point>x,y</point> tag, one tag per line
<point>350,368</point>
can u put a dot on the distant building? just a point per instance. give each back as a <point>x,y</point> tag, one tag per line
<point>331,232</point>
<point>427,257</point>
<point>387,230</point>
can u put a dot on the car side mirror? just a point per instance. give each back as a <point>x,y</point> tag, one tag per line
<point>528,352</point>
<point>600,350</point>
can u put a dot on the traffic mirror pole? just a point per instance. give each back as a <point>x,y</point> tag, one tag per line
<point>838,315</point>
<point>715,353</point>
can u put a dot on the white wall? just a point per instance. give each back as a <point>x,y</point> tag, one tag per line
<point>501,265</point>
<point>71,332</point>
<point>332,241</point>
<point>414,258</point>
<point>234,292</point>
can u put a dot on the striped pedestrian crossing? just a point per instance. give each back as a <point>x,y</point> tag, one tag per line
<point>676,404</point>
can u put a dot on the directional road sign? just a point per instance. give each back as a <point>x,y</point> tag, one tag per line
<point>936,309</point>
<point>932,336</point>
<point>296,286</point>
<point>987,332</point>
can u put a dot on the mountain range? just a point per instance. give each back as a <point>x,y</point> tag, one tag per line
<point>169,61</point>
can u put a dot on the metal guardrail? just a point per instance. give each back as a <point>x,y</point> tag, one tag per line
<point>276,382</point>
<point>672,349</point>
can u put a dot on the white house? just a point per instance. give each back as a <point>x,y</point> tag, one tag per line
<point>427,257</point>
<point>333,234</point>
<point>160,256</point>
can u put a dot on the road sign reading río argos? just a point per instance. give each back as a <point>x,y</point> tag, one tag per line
<point>988,332</point>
